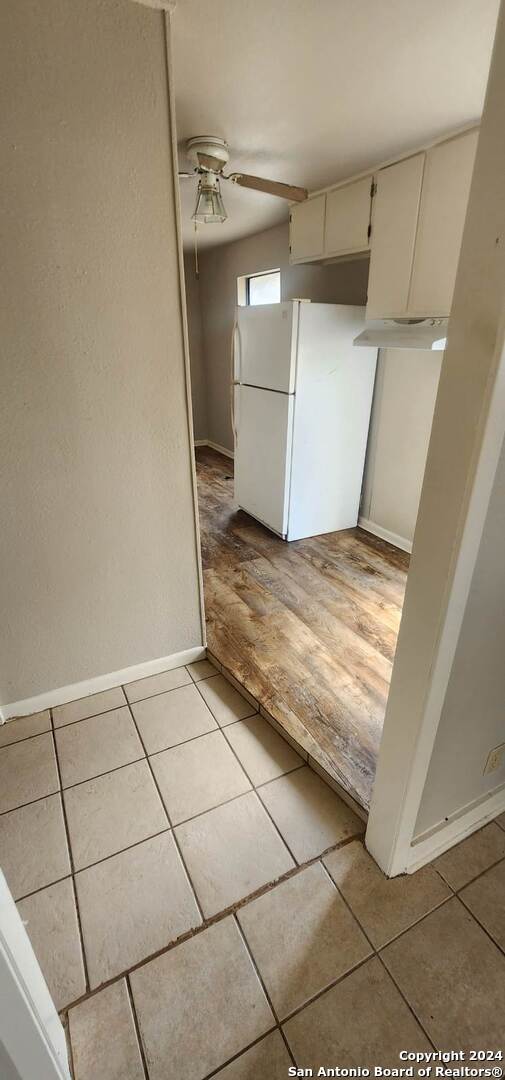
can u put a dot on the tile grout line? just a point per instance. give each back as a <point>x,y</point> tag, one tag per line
<point>477,876</point>
<point>262,984</point>
<point>283,841</point>
<point>377,952</point>
<point>71,861</point>
<point>98,862</point>
<point>170,827</point>
<point>481,924</point>
<point>208,922</point>
<point>70,1049</point>
<point>175,839</point>
<point>231,1060</point>
<point>136,1025</point>
<point>26,738</point>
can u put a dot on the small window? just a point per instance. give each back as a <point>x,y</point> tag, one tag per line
<point>263,288</point>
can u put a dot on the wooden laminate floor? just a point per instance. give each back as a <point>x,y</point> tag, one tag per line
<point>309,628</point>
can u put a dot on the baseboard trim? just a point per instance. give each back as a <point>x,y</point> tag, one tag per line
<point>431,845</point>
<point>215,446</point>
<point>63,694</point>
<point>385,534</point>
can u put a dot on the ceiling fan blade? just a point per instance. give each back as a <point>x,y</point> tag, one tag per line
<point>207,161</point>
<point>186,175</point>
<point>271,187</point>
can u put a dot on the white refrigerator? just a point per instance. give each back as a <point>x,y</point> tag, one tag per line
<point>302,398</point>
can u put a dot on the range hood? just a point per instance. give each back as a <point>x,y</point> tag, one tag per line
<point>405,334</point>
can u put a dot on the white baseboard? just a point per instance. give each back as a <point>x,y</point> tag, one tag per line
<point>429,846</point>
<point>215,446</point>
<point>385,534</point>
<point>51,698</point>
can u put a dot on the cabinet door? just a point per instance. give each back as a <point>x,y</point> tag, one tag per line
<point>348,218</point>
<point>446,187</point>
<point>306,228</point>
<point>395,211</point>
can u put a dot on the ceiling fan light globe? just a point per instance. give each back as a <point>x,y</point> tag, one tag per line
<point>209,207</point>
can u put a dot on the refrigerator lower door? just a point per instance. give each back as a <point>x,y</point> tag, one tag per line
<point>264,428</point>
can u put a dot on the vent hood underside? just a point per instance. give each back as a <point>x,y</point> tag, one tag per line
<point>405,334</point>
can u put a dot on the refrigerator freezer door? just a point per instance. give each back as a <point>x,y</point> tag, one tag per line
<point>264,424</point>
<point>265,346</point>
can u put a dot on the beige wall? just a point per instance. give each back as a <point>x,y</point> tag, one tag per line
<point>98,553</point>
<point>219,269</point>
<point>198,374</point>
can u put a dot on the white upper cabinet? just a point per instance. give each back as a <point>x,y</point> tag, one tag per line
<point>444,198</point>
<point>348,218</point>
<point>395,213</point>
<point>306,228</point>
<point>413,232</point>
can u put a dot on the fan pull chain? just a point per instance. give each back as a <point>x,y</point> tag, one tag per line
<point>197,272</point>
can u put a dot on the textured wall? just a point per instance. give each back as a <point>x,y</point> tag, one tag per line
<point>98,554</point>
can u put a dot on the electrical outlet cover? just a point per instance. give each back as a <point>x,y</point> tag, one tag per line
<point>495,758</point>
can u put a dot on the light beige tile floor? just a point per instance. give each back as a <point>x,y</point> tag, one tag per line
<point>33,846</point>
<point>113,812</point>
<point>209,977</point>
<point>465,861</point>
<point>268,1058</point>
<point>303,937</point>
<point>96,745</point>
<point>198,775</point>
<point>172,718</point>
<point>157,684</point>
<point>307,814</point>
<point>322,962</point>
<point>485,898</point>
<point>263,753</point>
<point>103,1036</point>
<point>202,669</point>
<point>132,905</point>
<point>88,706</point>
<point>25,727</point>
<point>450,971</point>
<point>232,851</point>
<point>384,907</point>
<point>225,703</point>
<point>362,1021</point>
<point>27,771</point>
<point>50,917</point>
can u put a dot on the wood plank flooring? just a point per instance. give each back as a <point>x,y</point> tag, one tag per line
<point>309,628</point>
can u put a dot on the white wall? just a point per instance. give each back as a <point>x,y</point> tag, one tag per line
<point>402,414</point>
<point>97,546</point>
<point>195,331</point>
<point>445,707</point>
<point>472,720</point>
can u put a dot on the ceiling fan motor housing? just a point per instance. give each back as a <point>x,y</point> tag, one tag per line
<point>210,146</point>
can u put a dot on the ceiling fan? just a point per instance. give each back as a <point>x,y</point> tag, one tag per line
<point>209,156</point>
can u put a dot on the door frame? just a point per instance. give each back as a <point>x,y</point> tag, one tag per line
<point>30,1029</point>
<point>467,437</point>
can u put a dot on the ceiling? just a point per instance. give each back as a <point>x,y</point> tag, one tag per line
<point>313,91</point>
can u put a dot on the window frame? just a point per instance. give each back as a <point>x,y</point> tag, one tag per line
<point>246,280</point>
